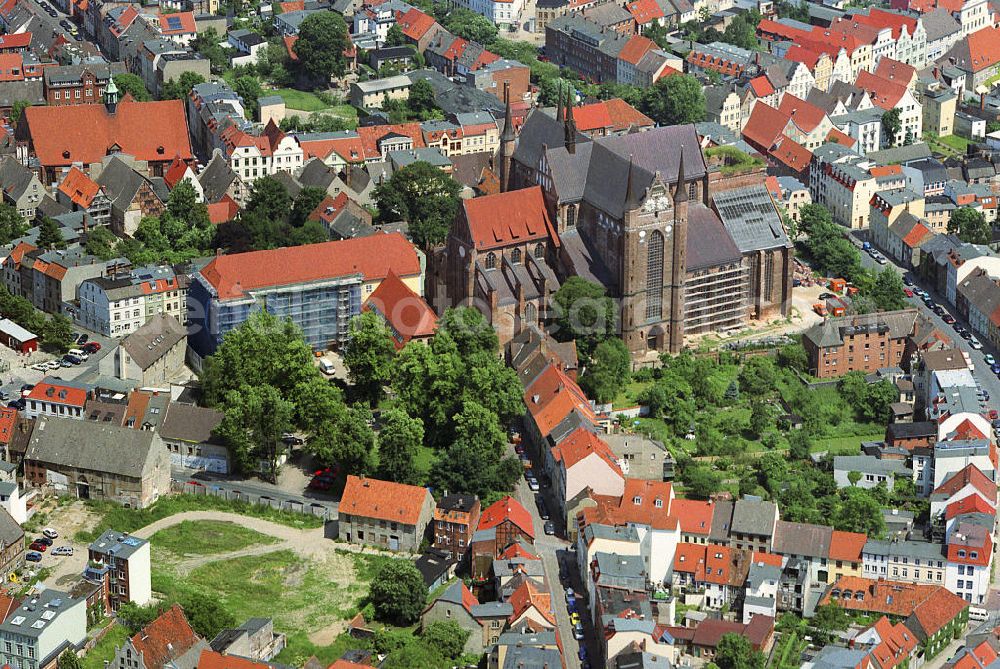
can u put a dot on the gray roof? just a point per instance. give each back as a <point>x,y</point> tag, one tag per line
<point>709,243</point>
<point>121,183</point>
<point>117,544</point>
<point>751,218</point>
<point>216,178</point>
<point>190,423</point>
<point>154,340</point>
<point>939,23</point>
<point>78,444</point>
<point>754,516</point>
<point>831,331</point>
<point>531,657</point>
<point>37,613</point>
<point>12,91</point>
<point>802,539</point>
<point>492,610</point>
<point>15,178</point>
<point>10,532</point>
<point>12,329</point>
<point>68,74</point>
<point>869,464</point>
<point>913,549</point>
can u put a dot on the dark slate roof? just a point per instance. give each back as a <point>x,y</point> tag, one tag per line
<point>120,182</point>
<point>154,339</point>
<point>216,178</point>
<point>12,91</point>
<point>802,539</point>
<point>80,444</point>
<point>708,242</point>
<point>751,219</point>
<point>15,178</point>
<point>189,423</point>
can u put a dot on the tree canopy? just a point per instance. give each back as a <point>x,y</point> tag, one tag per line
<point>583,312</point>
<point>970,225</point>
<point>608,372</point>
<point>178,89</point>
<point>368,356</point>
<point>398,593</point>
<point>12,224</point>
<point>423,196</point>
<point>132,85</point>
<point>675,100</point>
<point>469,25</point>
<point>322,39</point>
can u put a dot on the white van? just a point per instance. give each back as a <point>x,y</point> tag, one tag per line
<point>979,615</point>
<point>326,366</point>
<point>78,353</point>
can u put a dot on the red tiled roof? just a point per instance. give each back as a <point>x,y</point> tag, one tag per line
<point>984,48</point>
<point>841,138</point>
<point>60,394</point>
<point>805,115</point>
<point>937,610</point>
<point>637,47</point>
<point>15,41</point>
<point>186,23</point>
<point>614,114</point>
<point>329,208</point>
<point>8,419</point>
<point>371,135</point>
<point>383,500</point>
<point>968,475</point>
<point>209,659</point>
<point>645,11</point>
<point>79,188</point>
<point>166,638</point>
<point>175,172</point>
<point>878,18</point>
<point>289,42</point>
<point>591,117</point>
<point>806,56</point>
<point>292,6</point>
<point>552,397</point>
<point>407,314</point>
<point>695,516</point>
<point>507,509</point>
<point>897,643</point>
<point>348,148</point>
<point>581,443</point>
<point>766,558</point>
<point>514,217</point>
<point>792,154</point>
<point>67,135</point>
<point>645,503</point>
<point>917,235</point>
<point>372,257</point>
<point>847,546</point>
<point>517,550</point>
<point>529,595</point>
<point>11,67</point>
<point>976,658</point>
<point>884,93</point>
<point>761,86</point>
<point>970,504</point>
<point>765,127</point>
<point>414,23</point>
<point>223,211</point>
<point>895,71</point>
<point>933,605</point>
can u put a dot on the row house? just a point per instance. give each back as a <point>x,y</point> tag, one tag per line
<point>253,156</point>
<point>455,518</point>
<point>865,343</point>
<point>970,560</point>
<point>840,180</point>
<point>919,562</point>
<point>116,306</point>
<point>888,95</point>
<point>719,572</point>
<point>501,524</point>
<point>978,301</point>
<point>78,84</point>
<point>976,56</point>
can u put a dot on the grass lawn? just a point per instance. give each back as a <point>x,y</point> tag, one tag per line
<point>301,100</point>
<point>129,520</point>
<point>959,144</point>
<point>104,651</point>
<point>301,596</point>
<point>789,652</point>
<point>850,445</point>
<point>424,458</point>
<point>207,537</point>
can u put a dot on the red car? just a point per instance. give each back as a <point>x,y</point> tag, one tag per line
<point>993,414</point>
<point>36,546</point>
<point>91,347</point>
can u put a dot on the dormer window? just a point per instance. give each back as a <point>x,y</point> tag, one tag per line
<point>658,503</point>
<point>637,500</point>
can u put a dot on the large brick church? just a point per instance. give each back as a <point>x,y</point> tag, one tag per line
<point>631,212</point>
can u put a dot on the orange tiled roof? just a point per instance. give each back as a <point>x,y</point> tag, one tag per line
<point>637,47</point>
<point>64,136</point>
<point>60,394</point>
<point>847,546</point>
<point>580,444</point>
<point>383,500</point>
<point>883,93</point>
<point>645,11</point>
<point>529,595</point>
<point>933,606</point>
<point>373,257</point>
<point>184,22</point>
<point>507,509</point>
<point>371,135</point>
<point>895,71</point>
<point>695,516</point>
<point>514,217</point>
<point>552,397</point>
<point>8,419</point>
<point>166,638</point>
<point>805,115</point>
<point>175,172</point>
<point>79,188</point>
<point>645,503</point>
<point>968,475</point>
<point>209,659</point>
<point>897,643</point>
<point>984,48</point>
<point>792,154</point>
<point>407,314</point>
<point>765,127</point>
<point>222,211</point>
<point>841,138</point>
<point>414,23</point>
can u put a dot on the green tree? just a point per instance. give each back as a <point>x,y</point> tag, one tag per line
<point>416,653</point>
<point>347,440</point>
<point>132,85</point>
<point>254,418</point>
<point>970,226</point>
<point>206,614</point>
<point>471,26</point>
<point>675,100</point>
<point>134,617</point>
<point>49,235</point>
<point>101,242</point>
<point>758,377</point>
<point>269,199</point>
<point>813,214</point>
<point>398,593</point>
<point>583,312</point>
<point>793,356</point>
<point>305,203</point>
<point>446,636</point>
<point>608,373</point>
<point>57,334</point>
<point>742,33</point>
<point>249,89</point>
<point>859,511</point>
<point>320,47</point>
<point>474,462</point>
<point>853,478</point>
<point>423,196</point>
<point>179,88</point>
<point>17,109</point>
<point>887,291</point>
<point>207,44</point>
<point>183,205</point>
<point>891,127</point>
<point>701,481</point>
<point>829,618</point>
<point>12,224</point>
<point>395,36</point>
<point>421,96</point>
<point>69,660</point>
<point>399,439</point>
<point>761,417</point>
<point>369,356</point>
<point>735,652</point>
<point>264,350</point>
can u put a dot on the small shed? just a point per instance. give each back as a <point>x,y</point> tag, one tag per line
<point>14,336</point>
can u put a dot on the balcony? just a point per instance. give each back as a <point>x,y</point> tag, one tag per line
<point>95,571</point>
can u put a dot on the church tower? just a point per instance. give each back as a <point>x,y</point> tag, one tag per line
<point>506,142</point>
<point>679,264</point>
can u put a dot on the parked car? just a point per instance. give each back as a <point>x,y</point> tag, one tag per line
<point>62,550</point>
<point>53,364</point>
<point>993,414</point>
<point>907,281</point>
<point>550,528</point>
<point>826,296</point>
<point>44,540</point>
<point>33,556</point>
<point>92,347</point>
<point>291,439</point>
<point>574,618</point>
<point>82,339</point>
<point>990,360</point>
<point>949,319</point>
<point>578,631</point>
<point>71,359</point>
<point>975,344</point>
<point>965,334</point>
<point>533,484</point>
<point>543,509</point>
<point>582,652</point>
<point>908,292</point>
<point>50,533</point>
<point>36,546</point>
